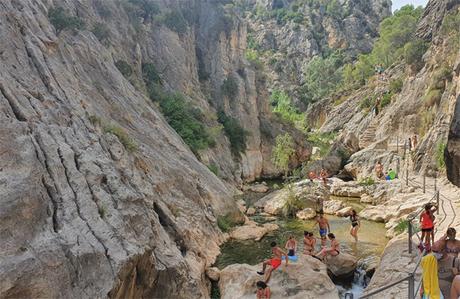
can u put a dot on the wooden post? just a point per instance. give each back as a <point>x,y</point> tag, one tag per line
<point>437,202</point>
<point>397,144</point>
<point>409,232</point>
<point>407,177</point>
<point>411,286</point>
<point>424,182</point>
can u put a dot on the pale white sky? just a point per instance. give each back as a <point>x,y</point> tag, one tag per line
<point>398,3</point>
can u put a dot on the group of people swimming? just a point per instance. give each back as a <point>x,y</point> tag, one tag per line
<point>309,248</point>
<point>441,268</point>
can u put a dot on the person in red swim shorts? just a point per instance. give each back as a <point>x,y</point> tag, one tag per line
<point>427,224</point>
<point>274,262</point>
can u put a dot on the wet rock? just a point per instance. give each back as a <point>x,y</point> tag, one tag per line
<point>306,214</point>
<point>306,278</point>
<point>342,266</point>
<point>252,231</point>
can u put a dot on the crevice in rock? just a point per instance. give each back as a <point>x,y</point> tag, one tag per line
<point>170,228</point>
<point>13,104</point>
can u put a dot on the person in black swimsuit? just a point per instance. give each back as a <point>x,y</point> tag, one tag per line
<point>355,225</point>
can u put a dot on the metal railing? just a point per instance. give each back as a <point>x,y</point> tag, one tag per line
<point>410,278</point>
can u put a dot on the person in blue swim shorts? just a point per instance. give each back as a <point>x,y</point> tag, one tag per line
<point>323,223</point>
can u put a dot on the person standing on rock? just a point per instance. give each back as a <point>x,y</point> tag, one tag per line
<point>323,175</point>
<point>355,224</point>
<point>274,262</point>
<point>291,246</point>
<point>309,243</point>
<point>323,224</point>
<point>263,291</point>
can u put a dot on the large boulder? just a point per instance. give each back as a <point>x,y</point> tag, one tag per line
<point>348,189</point>
<point>332,206</point>
<point>306,214</point>
<point>342,265</point>
<point>344,212</point>
<point>252,231</point>
<point>306,278</point>
<point>257,188</point>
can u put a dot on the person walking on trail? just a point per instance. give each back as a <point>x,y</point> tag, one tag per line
<point>410,144</point>
<point>379,171</point>
<point>274,262</point>
<point>355,224</point>
<point>309,243</point>
<point>447,249</point>
<point>414,142</point>
<point>263,291</point>
<point>430,283</point>
<point>333,250</point>
<point>427,224</point>
<point>455,288</point>
<point>291,246</point>
<point>323,224</point>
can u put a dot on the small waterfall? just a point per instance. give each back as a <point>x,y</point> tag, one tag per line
<point>360,282</point>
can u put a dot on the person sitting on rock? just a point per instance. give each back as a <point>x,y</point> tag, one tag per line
<point>312,176</point>
<point>323,175</point>
<point>291,246</point>
<point>274,262</point>
<point>379,170</point>
<point>447,249</point>
<point>309,243</point>
<point>333,250</point>
<point>263,291</point>
<point>455,288</point>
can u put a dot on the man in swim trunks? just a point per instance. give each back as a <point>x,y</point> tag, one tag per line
<point>323,224</point>
<point>291,246</point>
<point>274,262</point>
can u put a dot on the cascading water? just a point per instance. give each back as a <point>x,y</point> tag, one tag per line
<point>360,282</point>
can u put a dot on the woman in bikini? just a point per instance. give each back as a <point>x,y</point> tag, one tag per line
<point>355,225</point>
<point>309,243</point>
<point>333,250</point>
<point>447,249</point>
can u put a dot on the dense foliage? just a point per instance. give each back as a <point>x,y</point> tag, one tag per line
<point>235,133</point>
<point>283,151</point>
<point>62,20</point>
<point>282,106</point>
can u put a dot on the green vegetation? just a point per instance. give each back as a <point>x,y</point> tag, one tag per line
<point>129,144</point>
<point>293,203</point>
<point>175,21</point>
<point>102,211</point>
<point>186,120</point>
<point>402,226</point>
<point>235,133</point>
<point>323,141</point>
<point>395,42</point>
<point>322,76</point>
<point>282,106</point>
<point>367,103</point>
<point>283,151</point>
<point>230,220</point>
<point>101,31</point>
<point>396,85</point>
<point>229,87</point>
<point>214,169</point>
<point>432,98</point>
<point>413,53</point>
<point>62,20</point>
<point>367,181</point>
<point>124,68</point>
<point>440,151</point>
<point>150,74</point>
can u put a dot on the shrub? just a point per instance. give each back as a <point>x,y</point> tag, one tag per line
<point>124,68</point>
<point>283,151</point>
<point>440,151</point>
<point>282,106</point>
<point>175,21</point>
<point>322,141</point>
<point>386,100</point>
<point>229,87</point>
<point>230,220</point>
<point>433,97</point>
<point>396,85</point>
<point>214,169</point>
<point>102,211</point>
<point>150,74</point>
<point>181,116</point>
<point>401,227</point>
<point>61,20</point>
<point>147,8</point>
<point>413,52</point>
<point>235,133</point>
<point>101,31</point>
<point>129,144</point>
<point>367,181</point>
<point>366,104</point>
<point>293,203</point>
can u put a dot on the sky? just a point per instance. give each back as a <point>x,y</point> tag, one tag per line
<point>398,3</point>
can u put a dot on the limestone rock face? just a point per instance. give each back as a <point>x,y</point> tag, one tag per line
<point>306,278</point>
<point>252,231</point>
<point>100,197</point>
<point>332,206</point>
